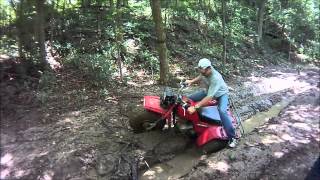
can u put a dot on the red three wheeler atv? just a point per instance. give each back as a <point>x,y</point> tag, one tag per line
<point>170,110</point>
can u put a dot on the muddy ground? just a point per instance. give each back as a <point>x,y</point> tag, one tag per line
<point>73,131</point>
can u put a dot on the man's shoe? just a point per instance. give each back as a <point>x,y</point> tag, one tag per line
<point>232,143</point>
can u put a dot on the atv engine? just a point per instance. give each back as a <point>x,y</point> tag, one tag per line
<point>168,98</point>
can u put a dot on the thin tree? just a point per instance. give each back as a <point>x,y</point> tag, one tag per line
<point>224,53</point>
<point>18,9</point>
<point>119,36</point>
<point>41,33</point>
<point>261,9</point>
<point>161,40</point>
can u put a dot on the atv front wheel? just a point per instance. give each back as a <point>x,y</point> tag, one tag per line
<point>139,121</point>
<point>214,146</point>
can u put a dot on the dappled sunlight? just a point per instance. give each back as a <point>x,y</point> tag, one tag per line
<point>21,173</point>
<point>142,78</point>
<point>302,141</point>
<point>296,127</point>
<point>270,139</point>
<point>7,160</point>
<point>287,137</point>
<point>302,126</point>
<point>4,173</point>
<point>7,165</point>
<point>282,81</point>
<point>132,46</point>
<point>47,175</point>
<point>146,83</point>
<point>55,144</point>
<point>158,169</point>
<point>67,120</point>
<point>150,174</point>
<point>278,154</point>
<point>221,166</point>
<point>11,167</point>
<point>64,155</point>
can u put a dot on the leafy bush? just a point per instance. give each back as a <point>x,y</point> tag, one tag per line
<point>47,80</point>
<point>95,66</point>
<point>312,49</point>
<point>149,61</point>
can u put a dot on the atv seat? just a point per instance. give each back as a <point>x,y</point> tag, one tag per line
<point>210,114</point>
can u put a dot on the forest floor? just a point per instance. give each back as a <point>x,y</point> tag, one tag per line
<point>74,131</point>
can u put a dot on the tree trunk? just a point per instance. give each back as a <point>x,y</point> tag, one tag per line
<point>41,32</point>
<point>161,40</point>
<point>199,17</point>
<point>261,9</point>
<point>119,37</point>
<point>111,4</point>
<point>125,3</point>
<point>224,53</point>
<point>20,35</point>
<point>99,19</point>
<point>18,9</point>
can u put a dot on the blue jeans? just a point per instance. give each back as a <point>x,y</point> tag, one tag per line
<point>223,111</point>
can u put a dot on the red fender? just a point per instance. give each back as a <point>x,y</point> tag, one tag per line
<point>211,133</point>
<point>152,103</point>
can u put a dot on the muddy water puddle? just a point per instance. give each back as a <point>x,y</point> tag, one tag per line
<point>262,117</point>
<point>174,168</point>
<point>183,163</point>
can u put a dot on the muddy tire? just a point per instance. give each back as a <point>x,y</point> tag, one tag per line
<point>214,146</point>
<point>139,120</point>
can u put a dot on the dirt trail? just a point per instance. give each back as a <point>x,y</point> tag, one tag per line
<point>80,135</point>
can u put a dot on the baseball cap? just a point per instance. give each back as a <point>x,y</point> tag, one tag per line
<point>204,63</point>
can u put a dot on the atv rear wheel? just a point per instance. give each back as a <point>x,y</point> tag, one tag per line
<point>140,119</point>
<point>214,146</point>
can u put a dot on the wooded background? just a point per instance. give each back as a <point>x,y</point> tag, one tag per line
<point>105,39</point>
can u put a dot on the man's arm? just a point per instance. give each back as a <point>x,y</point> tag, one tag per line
<point>195,80</point>
<point>213,88</point>
<point>204,101</point>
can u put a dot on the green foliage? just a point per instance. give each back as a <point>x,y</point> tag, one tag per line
<point>300,20</point>
<point>103,92</point>
<point>312,49</point>
<point>148,61</point>
<point>241,22</point>
<point>7,14</point>
<point>95,66</point>
<point>46,85</point>
<point>8,46</point>
<point>90,34</point>
<point>47,80</point>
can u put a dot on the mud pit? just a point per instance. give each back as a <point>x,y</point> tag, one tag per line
<point>182,163</point>
<point>89,138</point>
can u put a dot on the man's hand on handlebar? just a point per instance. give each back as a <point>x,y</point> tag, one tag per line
<point>188,82</point>
<point>183,84</point>
<point>191,109</point>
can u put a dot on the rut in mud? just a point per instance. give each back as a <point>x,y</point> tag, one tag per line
<point>90,139</point>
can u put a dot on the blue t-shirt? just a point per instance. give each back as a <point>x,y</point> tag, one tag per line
<point>217,86</point>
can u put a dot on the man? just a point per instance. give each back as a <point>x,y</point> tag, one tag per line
<point>218,90</point>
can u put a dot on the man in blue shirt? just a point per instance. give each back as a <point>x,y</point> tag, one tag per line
<point>217,89</point>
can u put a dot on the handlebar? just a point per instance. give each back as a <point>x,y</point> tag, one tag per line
<point>183,84</point>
